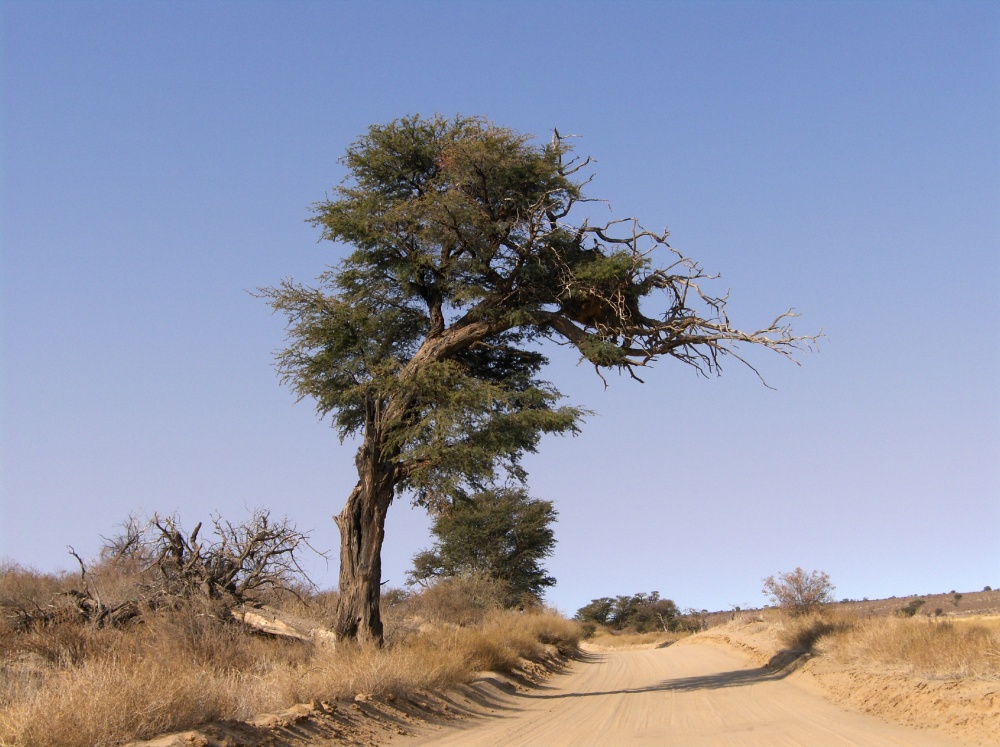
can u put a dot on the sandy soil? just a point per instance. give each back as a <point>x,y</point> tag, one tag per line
<point>967,710</point>
<point>700,692</point>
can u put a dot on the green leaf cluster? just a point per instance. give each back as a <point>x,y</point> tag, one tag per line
<point>641,613</point>
<point>423,339</point>
<point>502,533</point>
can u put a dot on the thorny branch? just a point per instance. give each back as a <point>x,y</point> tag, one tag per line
<point>609,314</point>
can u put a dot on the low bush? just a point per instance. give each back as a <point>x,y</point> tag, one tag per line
<point>461,600</point>
<point>911,608</point>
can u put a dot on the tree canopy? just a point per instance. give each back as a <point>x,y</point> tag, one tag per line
<point>426,340</point>
<point>503,533</point>
<point>639,612</point>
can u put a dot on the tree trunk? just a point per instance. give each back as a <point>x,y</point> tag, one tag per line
<point>362,530</point>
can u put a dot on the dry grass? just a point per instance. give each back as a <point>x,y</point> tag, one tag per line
<point>463,600</point>
<point>990,622</point>
<point>923,646</point>
<point>937,648</point>
<point>68,684</point>
<point>801,633</point>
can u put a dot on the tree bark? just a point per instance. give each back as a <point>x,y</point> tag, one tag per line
<point>362,530</point>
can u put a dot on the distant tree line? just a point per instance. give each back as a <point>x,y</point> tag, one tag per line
<point>640,612</point>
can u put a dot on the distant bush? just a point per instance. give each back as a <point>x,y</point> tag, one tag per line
<point>799,592</point>
<point>912,608</point>
<point>639,613</point>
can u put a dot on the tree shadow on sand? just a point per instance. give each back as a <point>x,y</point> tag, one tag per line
<point>777,669</point>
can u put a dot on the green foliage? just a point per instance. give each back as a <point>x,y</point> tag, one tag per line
<point>462,257</point>
<point>640,612</point>
<point>503,533</point>
<point>437,212</point>
<point>912,608</point>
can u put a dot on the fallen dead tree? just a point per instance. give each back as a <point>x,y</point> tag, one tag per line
<point>155,564</point>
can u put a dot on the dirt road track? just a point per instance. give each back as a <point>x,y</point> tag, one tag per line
<point>688,695</point>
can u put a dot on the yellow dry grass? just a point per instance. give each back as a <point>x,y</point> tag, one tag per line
<point>991,622</point>
<point>934,647</point>
<point>180,671</point>
<point>929,647</point>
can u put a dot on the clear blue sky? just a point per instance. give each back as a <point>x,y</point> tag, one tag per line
<point>158,161</point>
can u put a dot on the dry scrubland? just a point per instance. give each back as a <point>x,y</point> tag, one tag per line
<point>934,648</point>
<point>66,683</point>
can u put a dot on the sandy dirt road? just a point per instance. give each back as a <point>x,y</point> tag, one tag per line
<point>690,694</point>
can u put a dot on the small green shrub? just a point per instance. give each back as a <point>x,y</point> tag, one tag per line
<point>912,608</point>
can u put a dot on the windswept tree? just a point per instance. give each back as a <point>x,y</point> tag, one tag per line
<point>503,533</point>
<point>424,342</point>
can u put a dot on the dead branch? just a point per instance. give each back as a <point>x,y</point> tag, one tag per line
<point>240,561</point>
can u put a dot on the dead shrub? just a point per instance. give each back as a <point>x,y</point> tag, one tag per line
<point>800,592</point>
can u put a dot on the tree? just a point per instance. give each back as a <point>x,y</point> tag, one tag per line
<point>599,611</point>
<point>503,533</point>
<point>799,591</point>
<point>639,612</point>
<point>424,341</point>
